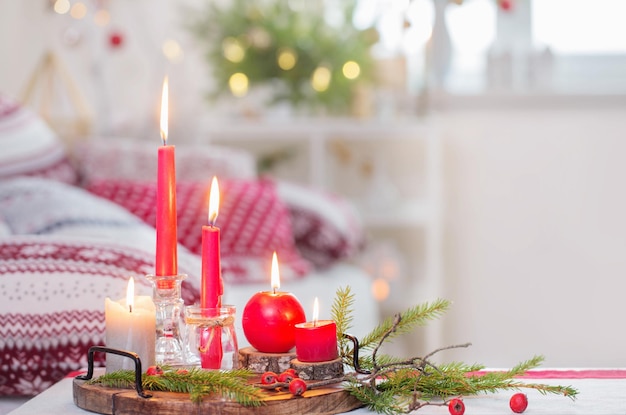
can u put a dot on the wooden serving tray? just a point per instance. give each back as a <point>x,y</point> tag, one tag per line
<point>112,401</point>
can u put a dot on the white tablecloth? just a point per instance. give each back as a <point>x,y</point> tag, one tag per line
<point>599,395</point>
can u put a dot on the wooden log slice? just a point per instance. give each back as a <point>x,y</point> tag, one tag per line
<point>259,362</point>
<point>318,370</point>
<point>110,401</point>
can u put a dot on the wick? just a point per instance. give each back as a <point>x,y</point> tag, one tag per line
<point>212,219</point>
<point>274,290</point>
<point>130,308</point>
<point>314,323</point>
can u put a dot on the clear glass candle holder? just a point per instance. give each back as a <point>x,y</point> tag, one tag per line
<point>211,339</point>
<point>166,294</point>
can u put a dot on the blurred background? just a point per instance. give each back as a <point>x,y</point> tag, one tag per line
<point>481,141</point>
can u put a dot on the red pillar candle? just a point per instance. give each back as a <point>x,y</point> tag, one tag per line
<point>211,285</point>
<point>316,341</point>
<point>269,318</point>
<point>166,238</point>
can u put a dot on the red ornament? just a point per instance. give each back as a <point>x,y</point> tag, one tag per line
<point>116,39</point>
<point>297,387</point>
<point>269,321</point>
<point>456,406</point>
<point>518,403</point>
<point>506,5</point>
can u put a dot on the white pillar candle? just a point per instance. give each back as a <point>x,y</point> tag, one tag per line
<point>130,326</point>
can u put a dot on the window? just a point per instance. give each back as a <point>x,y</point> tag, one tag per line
<point>472,29</point>
<point>587,39</point>
<point>588,27</point>
<point>538,46</point>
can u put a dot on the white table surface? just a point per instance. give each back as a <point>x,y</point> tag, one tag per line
<point>596,396</point>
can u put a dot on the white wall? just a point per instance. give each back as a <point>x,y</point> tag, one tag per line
<point>535,243</point>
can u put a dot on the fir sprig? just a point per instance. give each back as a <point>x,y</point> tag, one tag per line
<point>198,383</point>
<point>417,315</point>
<point>396,386</point>
<point>341,312</point>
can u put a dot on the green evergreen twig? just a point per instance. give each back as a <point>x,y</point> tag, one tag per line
<point>198,383</point>
<point>398,386</point>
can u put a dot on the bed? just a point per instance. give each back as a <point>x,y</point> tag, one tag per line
<point>76,222</point>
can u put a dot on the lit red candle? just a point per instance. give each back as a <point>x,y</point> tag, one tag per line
<point>211,286</point>
<point>269,318</point>
<point>166,234</point>
<point>316,341</point>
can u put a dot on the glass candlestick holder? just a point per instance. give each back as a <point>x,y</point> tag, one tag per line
<point>166,294</point>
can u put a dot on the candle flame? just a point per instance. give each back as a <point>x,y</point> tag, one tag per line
<point>164,114</point>
<point>275,273</point>
<point>130,294</point>
<point>214,201</point>
<point>316,311</point>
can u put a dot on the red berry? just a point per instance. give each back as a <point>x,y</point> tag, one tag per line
<point>297,387</point>
<point>456,406</point>
<point>518,403</point>
<point>268,378</point>
<point>154,371</point>
<point>286,377</point>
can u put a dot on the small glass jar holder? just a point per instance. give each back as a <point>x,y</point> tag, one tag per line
<point>211,339</point>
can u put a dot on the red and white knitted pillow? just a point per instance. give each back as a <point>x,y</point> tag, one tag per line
<point>29,146</point>
<point>52,309</point>
<point>34,206</point>
<point>327,228</point>
<point>253,220</point>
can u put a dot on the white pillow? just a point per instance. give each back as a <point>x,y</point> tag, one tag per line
<point>29,146</point>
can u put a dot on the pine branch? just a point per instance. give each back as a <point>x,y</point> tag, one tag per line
<point>397,386</point>
<point>198,383</point>
<point>414,316</point>
<point>341,309</point>
<point>379,402</point>
<point>404,386</point>
<point>341,312</point>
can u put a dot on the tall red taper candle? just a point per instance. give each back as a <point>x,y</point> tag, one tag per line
<point>212,286</point>
<point>166,233</point>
